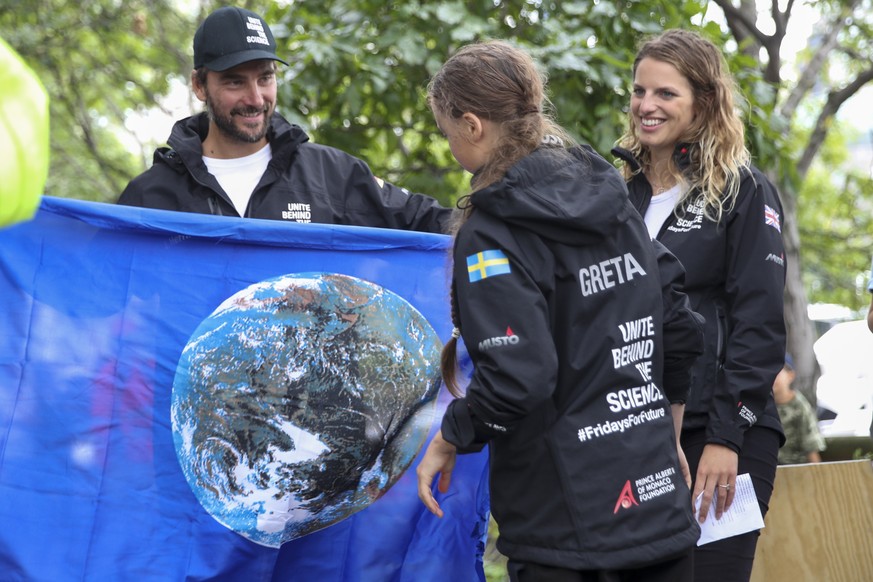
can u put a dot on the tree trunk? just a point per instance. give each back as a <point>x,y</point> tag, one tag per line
<point>800,330</point>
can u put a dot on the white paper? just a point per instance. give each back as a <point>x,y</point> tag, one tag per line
<point>743,516</point>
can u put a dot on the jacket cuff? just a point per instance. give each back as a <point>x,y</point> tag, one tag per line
<point>677,385</point>
<point>729,436</point>
<point>728,444</point>
<point>458,427</point>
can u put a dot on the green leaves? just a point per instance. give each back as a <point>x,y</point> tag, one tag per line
<point>366,94</point>
<point>99,61</point>
<point>835,215</point>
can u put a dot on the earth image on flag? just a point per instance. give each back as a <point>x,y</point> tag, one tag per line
<point>301,400</point>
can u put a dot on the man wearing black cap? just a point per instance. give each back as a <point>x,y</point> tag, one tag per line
<point>241,158</point>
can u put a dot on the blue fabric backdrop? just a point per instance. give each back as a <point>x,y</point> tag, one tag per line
<point>97,303</point>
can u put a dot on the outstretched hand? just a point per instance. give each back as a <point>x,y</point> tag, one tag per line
<point>439,459</point>
<point>717,468</point>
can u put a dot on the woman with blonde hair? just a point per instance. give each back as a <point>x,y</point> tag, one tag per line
<point>580,342</point>
<point>690,177</point>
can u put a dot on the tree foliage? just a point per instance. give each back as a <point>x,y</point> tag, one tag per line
<point>360,68</point>
<point>99,61</point>
<point>835,218</point>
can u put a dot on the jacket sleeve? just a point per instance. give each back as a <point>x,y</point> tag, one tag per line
<point>375,200</point>
<point>755,281</point>
<point>409,211</point>
<point>682,328</point>
<point>505,326</point>
<point>158,186</point>
<point>131,195</point>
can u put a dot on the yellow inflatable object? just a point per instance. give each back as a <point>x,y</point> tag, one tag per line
<point>24,138</point>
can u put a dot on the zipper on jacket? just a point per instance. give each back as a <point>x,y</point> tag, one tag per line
<point>721,333</point>
<point>213,207</point>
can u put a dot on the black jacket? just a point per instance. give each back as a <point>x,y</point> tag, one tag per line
<point>735,277</point>
<point>561,306</point>
<point>304,182</point>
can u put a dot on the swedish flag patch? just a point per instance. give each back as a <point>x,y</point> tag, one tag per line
<point>487,264</point>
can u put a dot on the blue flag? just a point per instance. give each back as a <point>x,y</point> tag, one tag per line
<point>487,264</point>
<point>189,397</point>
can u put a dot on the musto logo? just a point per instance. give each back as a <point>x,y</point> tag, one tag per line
<point>510,339</point>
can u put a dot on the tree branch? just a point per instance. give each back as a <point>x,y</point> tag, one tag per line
<point>742,22</point>
<point>811,72</point>
<point>736,17</point>
<point>781,18</point>
<point>834,101</point>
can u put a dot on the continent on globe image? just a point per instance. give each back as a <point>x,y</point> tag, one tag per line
<point>301,400</point>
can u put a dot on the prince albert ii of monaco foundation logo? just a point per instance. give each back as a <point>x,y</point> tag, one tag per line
<point>626,499</point>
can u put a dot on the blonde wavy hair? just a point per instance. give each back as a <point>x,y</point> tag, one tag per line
<point>716,137</point>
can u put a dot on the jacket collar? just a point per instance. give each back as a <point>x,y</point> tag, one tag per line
<point>188,135</point>
<point>681,156</point>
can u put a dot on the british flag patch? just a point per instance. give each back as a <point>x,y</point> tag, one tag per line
<point>771,218</point>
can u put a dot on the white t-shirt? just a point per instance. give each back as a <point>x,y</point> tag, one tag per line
<point>239,176</point>
<point>660,208</point>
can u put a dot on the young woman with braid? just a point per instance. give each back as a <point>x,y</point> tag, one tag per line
<point>580,341</point>
<point>690,177</point>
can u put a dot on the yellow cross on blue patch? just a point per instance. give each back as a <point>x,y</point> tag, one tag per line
<point>487,264</point>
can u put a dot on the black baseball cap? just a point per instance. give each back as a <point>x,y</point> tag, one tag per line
<point>231,36</point>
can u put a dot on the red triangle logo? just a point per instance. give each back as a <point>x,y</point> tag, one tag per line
<point>626,499</point>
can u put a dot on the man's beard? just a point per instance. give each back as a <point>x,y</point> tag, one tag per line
<point>225,124</point>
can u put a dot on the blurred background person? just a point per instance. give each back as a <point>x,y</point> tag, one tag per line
<point>803,441</point>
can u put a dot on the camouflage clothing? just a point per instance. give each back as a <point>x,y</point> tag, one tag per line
<point>801,431</point>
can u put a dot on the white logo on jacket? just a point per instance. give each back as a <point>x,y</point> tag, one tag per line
<point>657,484</point>
<point>510,339</point>
<point>695,211</point>
<point>614,427</point>
<point>609,273</point>
<point>636,348</point>
<point>747,415</point>
<point>635,397</point>
<point>775,259</point>
<point>298,212</point>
